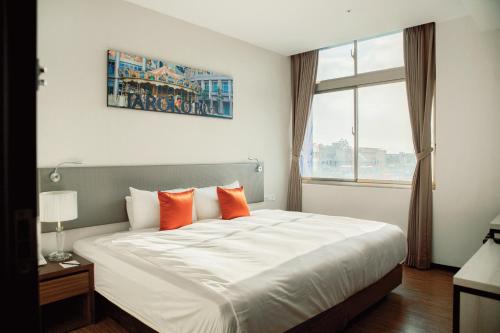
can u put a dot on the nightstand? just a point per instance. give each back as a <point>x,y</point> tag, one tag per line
<point>66,295</point>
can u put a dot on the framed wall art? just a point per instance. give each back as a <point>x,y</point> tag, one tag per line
<point>140,83</point>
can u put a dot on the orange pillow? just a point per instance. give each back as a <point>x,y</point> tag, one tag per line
<point>232,203</point>
<point>176,209</point>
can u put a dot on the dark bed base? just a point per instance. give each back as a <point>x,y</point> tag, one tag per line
<point>331,320</point>
<point>336,319</point>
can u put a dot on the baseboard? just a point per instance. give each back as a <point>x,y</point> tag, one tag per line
<point>452,269</point>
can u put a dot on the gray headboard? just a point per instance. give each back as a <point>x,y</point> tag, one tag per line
<point>102,190</point>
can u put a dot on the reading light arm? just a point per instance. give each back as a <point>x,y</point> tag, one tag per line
<point>259,167</point>
<point>55,176</point>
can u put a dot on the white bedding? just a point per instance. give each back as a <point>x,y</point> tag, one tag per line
<point>264,273</point>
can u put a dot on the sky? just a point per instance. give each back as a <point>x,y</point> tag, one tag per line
<point>383,110</point>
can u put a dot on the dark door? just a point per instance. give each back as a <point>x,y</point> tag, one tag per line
<point>18,249</point>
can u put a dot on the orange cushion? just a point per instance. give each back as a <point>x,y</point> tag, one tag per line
<point>176,209</point>
<point>232,202</point>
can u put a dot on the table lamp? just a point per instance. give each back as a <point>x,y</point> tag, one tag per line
<point>57,207</point>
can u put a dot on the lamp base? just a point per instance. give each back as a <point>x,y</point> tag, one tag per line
<point>59,256</point>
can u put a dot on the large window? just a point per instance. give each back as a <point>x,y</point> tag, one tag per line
<point>359,128</point>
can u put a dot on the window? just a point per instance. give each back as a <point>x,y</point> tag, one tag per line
<point>332,121</point>
<point>226,107</point>
<point>359,129</point>
<point>380,53</point>
<point>335,62</point>
<point>385,143</point>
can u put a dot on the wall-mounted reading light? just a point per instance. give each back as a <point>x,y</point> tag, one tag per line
<point>259,167</point>
<point>55,176</point>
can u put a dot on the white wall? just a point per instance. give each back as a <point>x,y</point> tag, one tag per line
<point>372,203</point>
<point>467,164</point>
<point>74,122</point>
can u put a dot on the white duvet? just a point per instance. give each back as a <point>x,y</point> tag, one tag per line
<point>264,273</point>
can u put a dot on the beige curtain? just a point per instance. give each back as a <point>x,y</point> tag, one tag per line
<point>304,67</point>
<point>420,67</point>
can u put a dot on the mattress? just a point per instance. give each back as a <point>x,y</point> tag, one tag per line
<point>267,272</point>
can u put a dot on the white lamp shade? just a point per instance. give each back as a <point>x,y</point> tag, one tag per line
<point>58,206</point>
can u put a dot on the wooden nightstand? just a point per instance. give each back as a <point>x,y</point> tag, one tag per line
<point>66,295</point>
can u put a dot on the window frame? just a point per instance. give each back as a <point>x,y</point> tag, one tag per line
<point>356,81</point>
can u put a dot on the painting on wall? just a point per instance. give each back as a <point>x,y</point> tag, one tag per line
<point>140,83</point>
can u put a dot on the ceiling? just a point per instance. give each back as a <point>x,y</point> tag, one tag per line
<point>293,26</point>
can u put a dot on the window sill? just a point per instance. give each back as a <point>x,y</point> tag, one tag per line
<point>355,184</point>
<point>316,181</point>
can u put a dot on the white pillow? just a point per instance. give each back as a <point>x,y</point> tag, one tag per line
<point>130,209</point>
<point>146,208</point>
<point>207,202</point>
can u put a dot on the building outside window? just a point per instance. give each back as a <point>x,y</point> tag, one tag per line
<point>359,128</point>
<point>215,100</point>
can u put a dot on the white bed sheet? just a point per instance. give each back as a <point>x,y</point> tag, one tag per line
<point>264,273</point>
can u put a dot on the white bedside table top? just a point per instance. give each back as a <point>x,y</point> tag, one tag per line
<point>482,271</point>
<point>495,224</point>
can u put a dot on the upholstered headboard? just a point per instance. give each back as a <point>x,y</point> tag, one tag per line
<point>102,190</point>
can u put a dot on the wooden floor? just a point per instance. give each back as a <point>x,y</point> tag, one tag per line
<point>423,303</point>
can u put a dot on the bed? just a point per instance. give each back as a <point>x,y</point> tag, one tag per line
<point>273,271</point>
